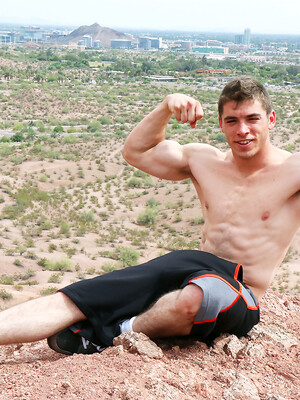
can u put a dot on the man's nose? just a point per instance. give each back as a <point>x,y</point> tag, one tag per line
<point>243,128</point>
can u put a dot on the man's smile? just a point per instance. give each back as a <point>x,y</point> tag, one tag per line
<point>244,142</point>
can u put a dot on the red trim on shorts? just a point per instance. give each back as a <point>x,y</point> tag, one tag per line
<point>79,330</point>
<point>236,272</point>
<point>239,293</point>
<point>248,306</point>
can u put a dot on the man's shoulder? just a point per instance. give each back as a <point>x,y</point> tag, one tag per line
<point>203,149</point>
<point>296,156</point>
<point>292,159</point>
<point>291,171</point>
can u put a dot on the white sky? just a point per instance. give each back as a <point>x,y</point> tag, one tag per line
<point>261,16</point>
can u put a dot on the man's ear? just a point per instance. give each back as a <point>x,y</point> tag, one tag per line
<point>272,119</point>
<point>220,123</point>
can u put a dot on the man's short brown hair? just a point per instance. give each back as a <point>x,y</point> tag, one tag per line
<point>242,89</point>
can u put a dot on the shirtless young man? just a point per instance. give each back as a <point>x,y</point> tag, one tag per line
<point>250,197</point>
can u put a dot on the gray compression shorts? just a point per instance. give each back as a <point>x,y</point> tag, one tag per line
<point>224,301</point>
<point>218,296</point>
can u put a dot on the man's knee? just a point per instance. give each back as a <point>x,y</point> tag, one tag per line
<point>66,305</point>
<point>189,301</point>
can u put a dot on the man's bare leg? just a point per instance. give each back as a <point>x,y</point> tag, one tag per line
<point>38,319</point>
<point>172,315</point>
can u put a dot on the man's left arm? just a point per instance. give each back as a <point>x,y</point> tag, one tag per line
<point>296,178</point>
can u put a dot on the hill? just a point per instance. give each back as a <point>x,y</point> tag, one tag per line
<point>97,32</point>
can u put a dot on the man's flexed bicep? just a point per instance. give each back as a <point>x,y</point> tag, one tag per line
<point>146,147</point>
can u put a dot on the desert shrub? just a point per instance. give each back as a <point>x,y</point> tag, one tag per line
<point>55,278</point>
<point>71,129</point>
<point>4,295</point>
<point>47,291</point>
<point>197,221</point>
<point>101,167</point>
<point>70,139</point>
<point>81,230</point>
<point>220,137</point>
<point>148,217</point>
<point>28,274</point>
<point>17,160</point>
<point>63,264</point>
<point>109,266</point>
<point>87,216</point>
<point>105,120</point>
<point>6,280</point>
<point>94,126</point>
<point>43,178</point>
<point>18,126</point>
<point>135,182</point>
<point>64,228</point>
<point>119,133</point>
<point>24,198</point>
<point>5,149</point>
<point>52,247</point>
<point>290,147</point>
<point>46,225</point>
<point>31,255</point>
<point>17,137</point>
<point>152,203</point>
<point>58,129</point>
<point>5,139</point>
<point>128,256</point>
<point>140,174</point>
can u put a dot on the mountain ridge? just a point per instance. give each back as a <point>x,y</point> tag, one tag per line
<point>97,32</point>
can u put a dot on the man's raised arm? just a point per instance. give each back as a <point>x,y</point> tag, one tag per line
<point>146,147</point>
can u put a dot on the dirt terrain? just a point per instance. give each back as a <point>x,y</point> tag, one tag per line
<point>264,365</point>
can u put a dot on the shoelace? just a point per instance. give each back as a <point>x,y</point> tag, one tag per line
<point>86,342</point>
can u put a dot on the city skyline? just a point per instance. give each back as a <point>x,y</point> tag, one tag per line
<point>262,17</point>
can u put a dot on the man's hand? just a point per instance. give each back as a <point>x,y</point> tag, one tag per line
<point>184,108</point>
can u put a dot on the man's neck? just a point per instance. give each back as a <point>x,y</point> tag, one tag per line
<point>249,166</point>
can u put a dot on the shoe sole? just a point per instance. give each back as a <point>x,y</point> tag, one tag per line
<point>53,345</point>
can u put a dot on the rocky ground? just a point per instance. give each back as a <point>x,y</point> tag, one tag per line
<point>264,365</point>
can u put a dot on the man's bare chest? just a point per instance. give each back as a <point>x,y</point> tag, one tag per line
<point>226,197</point>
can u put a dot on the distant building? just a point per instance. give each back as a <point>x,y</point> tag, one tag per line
<point>161,78</point>
<point>145,43</point>
<point>238,39</point>
<point>98,44</point>
<point>148,43</point>
<point>243,39</point>
<point>86,41</point>
<point>210,50</point>
<point>185,44</point>
<point>214,72</point>
<point>120,44</point>
<point>31,34</point>
<point>213,43</point>
<point>246,37</point>
<point>7,38</point>
<point>156,43</point>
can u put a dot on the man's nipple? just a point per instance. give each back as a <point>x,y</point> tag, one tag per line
<point>265,216</point>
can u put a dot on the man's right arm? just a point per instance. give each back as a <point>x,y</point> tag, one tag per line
<point>146,147</point>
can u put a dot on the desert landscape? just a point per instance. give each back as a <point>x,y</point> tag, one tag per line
<point>71,208</point>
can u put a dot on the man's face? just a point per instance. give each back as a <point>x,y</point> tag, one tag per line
<point>246,126</point>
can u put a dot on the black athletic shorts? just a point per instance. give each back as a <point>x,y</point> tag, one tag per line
<point>107,300</point>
